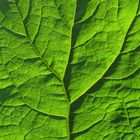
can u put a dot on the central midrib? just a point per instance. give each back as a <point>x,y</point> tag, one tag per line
<point>64,77</point>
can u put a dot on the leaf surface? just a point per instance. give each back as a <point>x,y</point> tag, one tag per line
<point>69,70</point>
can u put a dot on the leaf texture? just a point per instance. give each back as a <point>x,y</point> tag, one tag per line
<point>69,69</point>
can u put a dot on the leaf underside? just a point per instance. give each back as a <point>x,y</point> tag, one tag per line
<point>69,69</point>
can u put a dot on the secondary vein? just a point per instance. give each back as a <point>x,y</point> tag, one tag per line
<point>36,51</point>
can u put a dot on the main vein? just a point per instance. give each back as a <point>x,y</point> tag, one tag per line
<point>65,76</point>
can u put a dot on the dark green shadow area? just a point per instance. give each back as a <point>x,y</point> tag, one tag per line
<point>4,6</point>
<point>6,93</point>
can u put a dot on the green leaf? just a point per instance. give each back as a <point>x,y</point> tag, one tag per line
<point>69,69</point>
